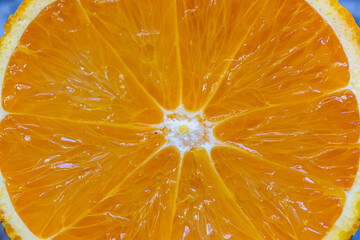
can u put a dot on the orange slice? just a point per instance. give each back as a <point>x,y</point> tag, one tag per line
<point>202,119</point>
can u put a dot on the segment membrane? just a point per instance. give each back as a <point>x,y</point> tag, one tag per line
<point>204,208</point>
<point>56,170</point>
<point>319,137</point>
<point>63,68</point>
<point>281,202</point>
<point>138,208</point>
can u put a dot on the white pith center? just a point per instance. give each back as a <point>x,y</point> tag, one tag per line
<point>187,131</point>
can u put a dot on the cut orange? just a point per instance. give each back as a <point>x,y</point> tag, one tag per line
<point>201,119</point>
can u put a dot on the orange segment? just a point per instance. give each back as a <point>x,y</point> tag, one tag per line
<point>205,209</point>
<point>62,67</point>
<point>144,37</point>
<point>211,34</point>
<point>67,167</point>
<point>319,137</point>
<point>291,54</point>
<point>290,203</point>
<point>140,207</point>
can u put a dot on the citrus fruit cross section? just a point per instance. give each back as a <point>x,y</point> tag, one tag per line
<point>180,119</point>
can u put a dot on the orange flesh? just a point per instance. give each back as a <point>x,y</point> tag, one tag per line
<point>83,158</point>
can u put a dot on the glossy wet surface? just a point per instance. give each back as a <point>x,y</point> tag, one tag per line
<point>261,130</point>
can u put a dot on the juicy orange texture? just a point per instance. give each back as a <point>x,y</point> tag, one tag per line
<point>86,89</point>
